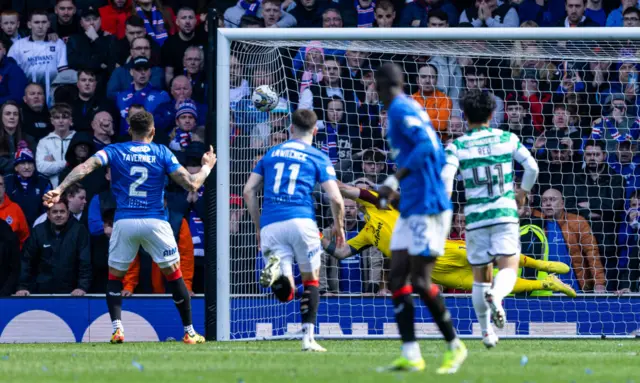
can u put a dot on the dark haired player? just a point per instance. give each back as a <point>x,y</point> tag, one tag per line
<point>492,226</point>
<point>425,218</point>
<point>138,174</point>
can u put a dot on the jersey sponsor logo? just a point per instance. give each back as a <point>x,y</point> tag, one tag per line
<point>52,48</point>
<point>376,235</point>
<point>169,252</point>
<point>46,245</point>
<point>140,149</point>
<point>9,220</point>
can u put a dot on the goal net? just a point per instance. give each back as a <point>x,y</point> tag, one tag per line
<point>570,95</point>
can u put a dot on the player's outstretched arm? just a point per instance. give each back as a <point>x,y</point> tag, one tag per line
<point>77,174</point>
<point>337,210</point>
<point>251,188</point>
<point>348,191</point>
<point>329,246</point>
<point>193,182</point>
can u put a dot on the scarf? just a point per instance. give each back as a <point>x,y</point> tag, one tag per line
<point>365,15</point>
<point>155,28</point>
<point>181,140</point>
<point>250,9</point>
<point>309,78</point>
<point>330,145</point>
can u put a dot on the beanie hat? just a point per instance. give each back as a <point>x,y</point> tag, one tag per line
<point>23,155</point>
<point>187,107</point>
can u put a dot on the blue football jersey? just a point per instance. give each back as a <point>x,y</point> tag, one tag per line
<point>415,145</point>
<point>138,177</point>
<point>291,171</point>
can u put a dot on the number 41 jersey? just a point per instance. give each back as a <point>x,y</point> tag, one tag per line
<point>290,172</point>
<point>138,177</point>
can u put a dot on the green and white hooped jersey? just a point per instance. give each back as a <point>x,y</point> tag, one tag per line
<point>485,160</point>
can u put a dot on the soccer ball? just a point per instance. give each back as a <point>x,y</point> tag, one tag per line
<point>264,98</point>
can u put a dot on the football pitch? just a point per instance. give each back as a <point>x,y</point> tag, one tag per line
<point>541,361</point>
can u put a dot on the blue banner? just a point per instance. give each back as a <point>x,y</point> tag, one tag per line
<point>72,319</point>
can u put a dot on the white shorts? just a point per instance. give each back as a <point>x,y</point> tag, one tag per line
<point>422,234</point>
<point>154,235</point>
<point>295,239</point>
<point>484,244</point>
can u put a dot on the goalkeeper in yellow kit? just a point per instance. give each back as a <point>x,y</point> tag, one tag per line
<point>452,269</point>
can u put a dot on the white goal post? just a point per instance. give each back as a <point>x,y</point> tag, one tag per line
<point>246,312</point>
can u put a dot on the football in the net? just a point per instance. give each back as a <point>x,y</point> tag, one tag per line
<point>264,98</point>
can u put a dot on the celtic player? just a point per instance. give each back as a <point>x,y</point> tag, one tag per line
<point>485,158</point>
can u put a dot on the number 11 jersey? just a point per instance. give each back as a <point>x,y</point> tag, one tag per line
<point>290,172</point>
<point>138,177</point>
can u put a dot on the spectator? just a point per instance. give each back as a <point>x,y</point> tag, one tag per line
<point>121,77</point>
<point>576,15</point>
<point>519,121</point>
<point>597,85</point>
<point>449,72</point>
<point>92,49</point>
<point>140,92</point>
<point>239,85</point>
<point>9,260</point>
<point>365,10</point>
<point>312,68</point>
<point>616,17</point>
<point>418,13</point>
<point>385,14</point>
<point>331,18</point>
<point>52,149</point>
<point>438,19</point>
<point>233,14</point>
<point>35,114</point>
<point>88,102</point>
<point>194,70</point>
<point>455,129</point>
<point>595,12</point>
<point>12,138</point>
<point>374,165</point>
<point>176,45</point>
<point>631,17</point>
<point>57,257</point>
<point>26,186</point>
<point>250,22</point>
<point>617,125</point>
<point>13,215</point>
<point>164,116</point>
<point>270,130</point>
<point>186,117</point>
<point>12,78</point>
<point>572,242</point>
<point>487,13</point>
<point>536,99</point>
<point>100,252</point>
<point>102,126</point>
<point>545,14</point>
<point>560,129</point>
<point>627,84</point>
<point>559,170</point>
<point>159,21</point>
<point>625,162</point>
<point>134,28</point>
<point>436,103</point>
<point>605,197</point>
<point>457,225</point>
<point>80,149</point>
<point>628,266</point>
<point>273,15</point>
<point>39,58</point>
<point>114,15</point>
<point>64,21</point>
<point>76,197</point>
<point>100,205</point>
<point>476,78</point>
<point>10,26</point>
<point>308,13</point>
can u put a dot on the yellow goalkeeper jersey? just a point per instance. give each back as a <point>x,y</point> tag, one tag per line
<point>379,225</point>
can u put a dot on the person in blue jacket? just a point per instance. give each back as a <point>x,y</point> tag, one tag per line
<point>12,78</point>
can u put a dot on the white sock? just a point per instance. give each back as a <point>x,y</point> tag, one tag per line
<point>503,283</point>
<point>307,331</point>
<point>117,324</point>
<point>189,330</point>
<point>411,351</point>
<point>480,305</point>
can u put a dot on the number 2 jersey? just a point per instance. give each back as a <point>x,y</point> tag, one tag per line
<point>485,159</point>
<point>138,177</point>
<point>290,172</point>
<point>416,146</point>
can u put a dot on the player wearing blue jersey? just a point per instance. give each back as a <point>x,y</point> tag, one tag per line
<point>425,217</point>
<point>287,229</point>
<point>138,174</point>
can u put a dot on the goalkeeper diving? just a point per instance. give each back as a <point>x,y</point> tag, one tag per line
<point>452,270</point>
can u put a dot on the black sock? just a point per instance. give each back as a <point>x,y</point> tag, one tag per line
<point>404,310</point>
<point>114,299</point>
<point>182,299</point>
<point>309,303</point>
<point>282,289</point>
<point>433,299</point>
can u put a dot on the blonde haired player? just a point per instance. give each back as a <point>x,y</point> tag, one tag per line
<point>485,158</point>
<point>452,270</point>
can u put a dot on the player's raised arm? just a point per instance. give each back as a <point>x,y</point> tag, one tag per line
<point>329,246</point>
<point>77,174</point>
<point>450,169</point>
<point>531,170</point>
<point>254,183</point>
<point>193,182</point>
<point>337,210</point>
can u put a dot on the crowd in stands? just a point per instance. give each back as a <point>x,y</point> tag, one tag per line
<point>72,71</point>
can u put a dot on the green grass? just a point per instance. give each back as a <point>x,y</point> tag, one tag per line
<point>549,361</point>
